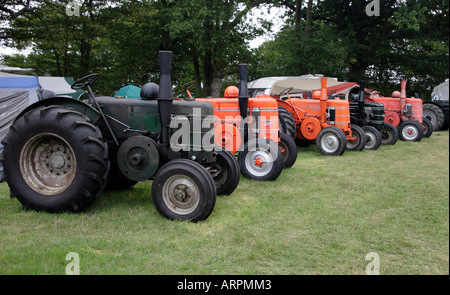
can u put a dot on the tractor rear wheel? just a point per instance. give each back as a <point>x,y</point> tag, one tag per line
<point>427,127</point>
<point>225,171</point>
<point>410,130</point>
<point>435,115</point>
<point>289,150</point>
<point>331,141</point>
<point>261,160</point>
<point>360,139</point>
<point>373,138</point>
<point>55,160</point>
<point>287,122</point>
<point>389,134</point>
<point>184,190</point>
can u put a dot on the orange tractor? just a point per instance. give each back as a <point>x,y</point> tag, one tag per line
<point>325,121</point>
<point>404,113</point>
<point>250,128</point>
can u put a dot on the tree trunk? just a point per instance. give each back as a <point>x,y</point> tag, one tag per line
<point>298,14</point>
<point>216,84</point>
<point>308,32</point>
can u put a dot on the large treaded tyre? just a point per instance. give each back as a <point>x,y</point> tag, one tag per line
<point>287,122</point>
<point>410,130</point>
<point>261,160</point>
<point>389,134</point>
<point>373,138</point>
<point>55,160</point>
<point>331,141</point>
<point>435,115</point>
<point>184,190</point>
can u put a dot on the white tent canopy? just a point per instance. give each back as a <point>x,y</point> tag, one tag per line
<point>301,85</point>
<point>264,85</point>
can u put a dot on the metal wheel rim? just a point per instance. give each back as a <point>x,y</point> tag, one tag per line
<point>410,132</point>
<point>354,144</point>
<point>48,164</point>
<point>430,116</point>
<point>386,135</point>
<point>284,147</point>
<point>253,168</point>
<point>330,143</point>
<point>218,172</point>
<point>181,194</point>
<point>371,139</point>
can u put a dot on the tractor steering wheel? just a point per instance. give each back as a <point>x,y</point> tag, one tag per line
<point>186,87</point>
<point>285,91</point>
<point>85,81</point>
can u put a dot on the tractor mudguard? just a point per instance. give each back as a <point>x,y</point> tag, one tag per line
<point>66,102</point>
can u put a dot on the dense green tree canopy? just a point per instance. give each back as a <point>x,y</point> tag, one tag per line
<point>120,40</point>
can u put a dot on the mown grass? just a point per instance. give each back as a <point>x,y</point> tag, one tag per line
<point>322,216</point>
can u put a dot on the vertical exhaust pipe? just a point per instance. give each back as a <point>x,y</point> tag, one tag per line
<point>361,101</point>
<point>323,101</point>
<point>165,97</point>
<point>243,97</point>
<point>403,99</point>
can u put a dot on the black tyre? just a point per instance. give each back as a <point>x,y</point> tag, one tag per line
<point>184,190</point>
<point>427,127</point>
<point>288,148</point>
<point>360,139</point>
<point>410,130</point>
<point>261,160</point>
<point>373,137</point>
<point>287,122</point>
<point>435,115</point>
<point>389,134</point>
<point>331,141</point>
<point>55,160</point>
<point>225,172</point>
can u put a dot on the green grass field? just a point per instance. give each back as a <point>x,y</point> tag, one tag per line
<point>322,216</point>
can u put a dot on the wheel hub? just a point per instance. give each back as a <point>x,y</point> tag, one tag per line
<point>48,164</point>
<point>259,162</point>
<point>180,194</point>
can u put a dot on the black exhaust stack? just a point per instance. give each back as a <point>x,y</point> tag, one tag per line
<point>243,97</point>
<point>361,101</point>
<point>165,97</point>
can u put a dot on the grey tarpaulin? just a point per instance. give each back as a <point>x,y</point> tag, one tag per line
<point>16,93</point>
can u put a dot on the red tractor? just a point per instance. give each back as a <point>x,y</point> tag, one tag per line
<point>404,113</point>
<point>250,128</point>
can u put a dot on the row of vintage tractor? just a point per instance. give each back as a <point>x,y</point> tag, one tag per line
<point>61,153</point>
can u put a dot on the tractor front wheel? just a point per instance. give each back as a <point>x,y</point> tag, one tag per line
<point>373,138</point>
<point>410,130</point>
<point>261,160</point>
<point>331,141</point>
<point>427,127</point>
<point>224,171</point>
<point>289,150</point>
<point>184,190</point>
<point>359,137</point>
<point>389,134</point>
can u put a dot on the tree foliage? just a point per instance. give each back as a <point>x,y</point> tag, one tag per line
<point>120,40</point>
